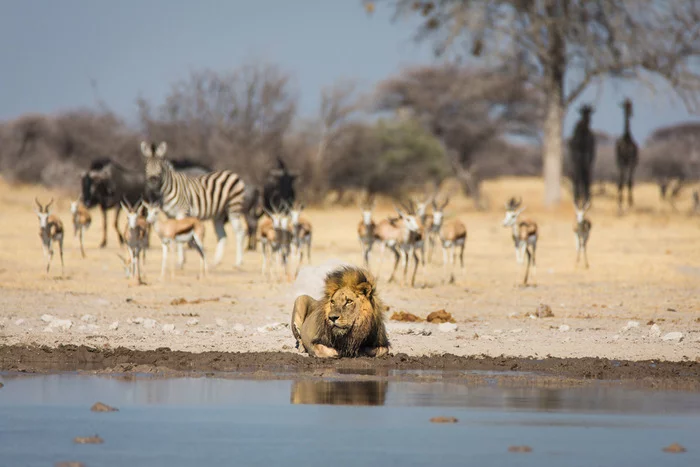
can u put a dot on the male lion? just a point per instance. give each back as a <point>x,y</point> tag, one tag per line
<point>346,322</point>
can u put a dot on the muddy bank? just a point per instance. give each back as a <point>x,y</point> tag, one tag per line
<point>167,362</point>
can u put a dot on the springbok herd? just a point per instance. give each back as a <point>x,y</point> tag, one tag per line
<point>285,234</point>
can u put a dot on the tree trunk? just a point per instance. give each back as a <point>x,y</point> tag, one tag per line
<point>553,150</point>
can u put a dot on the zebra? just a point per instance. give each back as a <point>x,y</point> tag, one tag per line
<point>216,195</point>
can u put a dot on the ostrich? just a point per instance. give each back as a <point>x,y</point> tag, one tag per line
<point>582,149</point>
<point>627,155</point>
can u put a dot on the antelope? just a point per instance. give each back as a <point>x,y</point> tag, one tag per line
<point>301,233</point>
<point>135,237</point>
<point>582,229</point>
<point>81,221</point>
<point>50,230</point>
<point>403,237</point>
<point>524,235</point>
<point>275,238</point>
<point>366,229</point>
<point>180,231</point>
<point>451,234</point>
<point>421,212</point>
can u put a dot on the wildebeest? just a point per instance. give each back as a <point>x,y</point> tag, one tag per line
<point>278,190</point>
<point>106,183</point>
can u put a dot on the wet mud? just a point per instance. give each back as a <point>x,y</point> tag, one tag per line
<point>271,365</point>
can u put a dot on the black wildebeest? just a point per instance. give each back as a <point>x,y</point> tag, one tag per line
<point>106,183</point>
<point>278,190</point>
<point>582,148</point>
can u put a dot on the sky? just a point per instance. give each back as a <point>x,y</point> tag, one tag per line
<point>52,50</point>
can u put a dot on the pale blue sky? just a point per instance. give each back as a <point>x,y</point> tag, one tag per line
<point>52,49</point>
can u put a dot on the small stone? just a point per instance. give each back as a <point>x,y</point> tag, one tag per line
<point>443,420</point>
<point>498,331</point>
<point>564,328</point>
<point>516,331</point>
<point>168,327</point>
<point>149,323</point>
<point>88,318</point>
<point>221,322</point>
<point>100,407</point>
<point>47,318</point>
<point>543,311</point>
<point>272,327</point>
<point>655,331</point>
<point>192,322</point>
<point>631,325</point>
<point>519,449</point>
<point>513,314</point>
<point>19,322</point>
<point>238,327</point>
<point>673,336</point>
<point>674,448</point>
<point>88,440</point>
<point>102,301</point>
<point>47,329</point>
<point>114,326</point>
<point>137,320</point>
<point>447,327</point>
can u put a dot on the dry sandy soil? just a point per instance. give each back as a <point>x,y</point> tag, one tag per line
<point>645,270</point>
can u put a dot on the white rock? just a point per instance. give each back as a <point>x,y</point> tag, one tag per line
<point>238,327</point>
<point>498,331</point>
<point>654,331</point>
<point>168,327</point>
<point>149,323</point>
<point>19,322</point>
<point>221,322</point>
<point>192,322</point>
<point>513,314</point>
<point>631,325</point>
<point>272,327</point>
<point>102,301</point>
<point>447,327</point>
<point>48,329</point>
<point>615,337</point>
<point>47,318</point>
<point>673,336</point>
<point>88,318</point>
<point>564,327</point>
<point>64,324</point>
<point>516,331</point>
<point>114,326</point>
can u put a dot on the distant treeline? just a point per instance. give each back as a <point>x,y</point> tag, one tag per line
<point>245,119</point>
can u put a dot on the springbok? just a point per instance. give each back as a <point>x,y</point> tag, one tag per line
<point>135,237</point>
<point>180,231</point>
<point>524,235</point>
<point>421,212</point>
<point>50,231</point>
<point>275,239</point>
<point>366,229</point>
<point>582,229</point>
<point>301,234</point>
<point>451,234</point>
<point>403,236</point>
<point>81,221</point>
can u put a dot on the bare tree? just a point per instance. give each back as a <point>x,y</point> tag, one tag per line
<point>466,109</point>
<point>569,45</point>
<point>338,103</point>
<point>235,120</point>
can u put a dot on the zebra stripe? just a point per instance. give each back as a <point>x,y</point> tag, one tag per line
<point>209,196</point>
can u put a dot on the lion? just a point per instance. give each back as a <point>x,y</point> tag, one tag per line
<point>346,322</point>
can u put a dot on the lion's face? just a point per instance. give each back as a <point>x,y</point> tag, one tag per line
<point>346,307</point>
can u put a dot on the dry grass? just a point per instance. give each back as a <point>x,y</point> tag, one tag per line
<point>645,266</point>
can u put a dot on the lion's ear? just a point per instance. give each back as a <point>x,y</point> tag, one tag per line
<point>365,288</point>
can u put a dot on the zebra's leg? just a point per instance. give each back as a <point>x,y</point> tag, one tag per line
<point>239,229</point>
<point>221,240</point>
<point>164,261</point>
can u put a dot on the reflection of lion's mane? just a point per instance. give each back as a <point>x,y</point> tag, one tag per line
<point>339,392</point>
<point>350,296</point>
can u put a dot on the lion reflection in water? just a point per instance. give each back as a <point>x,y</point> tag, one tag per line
<point>339,392</point>
<point>347,321</point>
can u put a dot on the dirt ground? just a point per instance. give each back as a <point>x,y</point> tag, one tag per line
<point>640,292</point>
